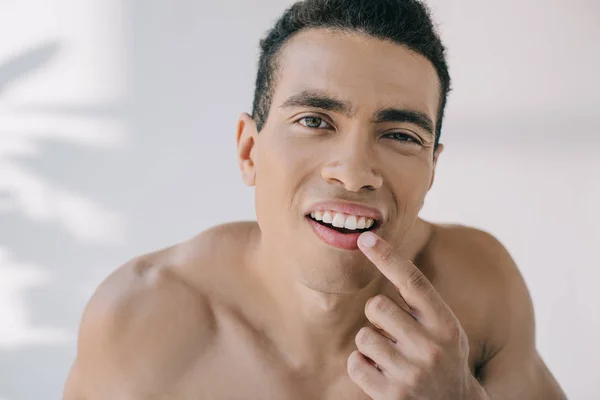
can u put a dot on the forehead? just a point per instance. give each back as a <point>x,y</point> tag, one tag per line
<point>366,71</point>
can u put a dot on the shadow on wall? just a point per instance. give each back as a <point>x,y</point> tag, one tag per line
<point>85,187</point>
<point>24,64</point>
<point>50,228</point>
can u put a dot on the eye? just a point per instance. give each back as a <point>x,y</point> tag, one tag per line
<point>314,122</point>
<point>403,137</point>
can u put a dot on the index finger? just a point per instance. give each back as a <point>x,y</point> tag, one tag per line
<point>413,285</point>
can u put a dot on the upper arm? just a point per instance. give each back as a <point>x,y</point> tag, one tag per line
<point>133,335</point>
<point>514,369</point>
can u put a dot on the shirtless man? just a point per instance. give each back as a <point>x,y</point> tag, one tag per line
<point>294,306</point>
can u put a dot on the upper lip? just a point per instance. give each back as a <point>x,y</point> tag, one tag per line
<point>347,208</point>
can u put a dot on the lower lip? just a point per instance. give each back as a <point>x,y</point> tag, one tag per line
<point>344,241</point>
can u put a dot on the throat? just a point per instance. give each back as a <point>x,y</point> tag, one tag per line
<point>314,344</point>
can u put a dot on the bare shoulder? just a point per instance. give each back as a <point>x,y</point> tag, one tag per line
<point>475,260</point>
<point>482,282</point>
<point>142,327</point>
<point>153,317</point>
<point>478,277</point>
<point>472,252</point>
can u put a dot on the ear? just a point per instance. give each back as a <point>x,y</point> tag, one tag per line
<point>246,138</point>
<point>436,154</point>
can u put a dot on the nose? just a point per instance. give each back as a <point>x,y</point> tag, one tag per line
<point>353,166</point>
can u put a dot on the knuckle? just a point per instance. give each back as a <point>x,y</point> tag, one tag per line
<point>382,352</point>
<point>415,377</point>
<point>387,254</point>
<point>417,280</point>
<point>388,353</point>
<point>452,333</point>
<point>398,392</point>
<point>380,304</point>
<point>353,365</point>
<point>433,355</point>
<point>364,338</point>
<point>356,369</point>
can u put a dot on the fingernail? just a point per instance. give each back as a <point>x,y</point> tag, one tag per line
<point>367,239</point>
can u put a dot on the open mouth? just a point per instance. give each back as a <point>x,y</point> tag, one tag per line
<point>343,223</point>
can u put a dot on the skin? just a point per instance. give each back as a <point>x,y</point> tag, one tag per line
<point>266,310</point>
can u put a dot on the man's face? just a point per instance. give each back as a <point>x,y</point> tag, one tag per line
<point>352,122</point>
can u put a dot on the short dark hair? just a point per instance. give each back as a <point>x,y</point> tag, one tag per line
<point>405,22</point>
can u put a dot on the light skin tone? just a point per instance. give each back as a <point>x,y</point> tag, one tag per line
<point>266,309</point>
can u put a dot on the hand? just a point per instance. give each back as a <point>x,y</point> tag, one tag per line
<point>419,350</point>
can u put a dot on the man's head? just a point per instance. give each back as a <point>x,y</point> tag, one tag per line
<point>348,108</point>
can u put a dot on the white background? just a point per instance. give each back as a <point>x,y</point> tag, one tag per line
<point>117,126</point>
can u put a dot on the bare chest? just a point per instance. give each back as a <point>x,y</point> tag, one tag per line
<point>236,370</point>
<point>240,366</point>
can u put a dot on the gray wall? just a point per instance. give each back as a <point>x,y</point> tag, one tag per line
<point>117,124</point>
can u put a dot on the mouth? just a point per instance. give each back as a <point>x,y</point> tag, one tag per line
<point>343,223</point>
<point>340,230</point>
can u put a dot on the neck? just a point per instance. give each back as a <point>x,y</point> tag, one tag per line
<point>313,329</point>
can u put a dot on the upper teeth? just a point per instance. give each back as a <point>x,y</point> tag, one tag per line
<point>341,220</point>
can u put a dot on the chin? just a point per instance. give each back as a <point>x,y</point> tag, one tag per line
<point>335,271</point>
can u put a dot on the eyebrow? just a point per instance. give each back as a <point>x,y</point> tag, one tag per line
<point>324,101</point>
<point>402,115</point>
<point>318,99</point>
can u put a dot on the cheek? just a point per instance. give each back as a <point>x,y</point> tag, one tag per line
<point>281,168</point>
<point>287,160</point>
<point>409,179</point>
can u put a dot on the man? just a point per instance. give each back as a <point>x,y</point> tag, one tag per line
<point>339,290</point>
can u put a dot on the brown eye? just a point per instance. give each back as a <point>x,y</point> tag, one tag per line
<point>314,122</point>
<point>403,137</point>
